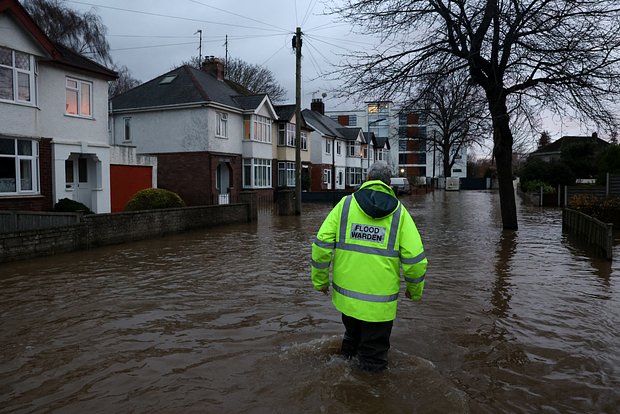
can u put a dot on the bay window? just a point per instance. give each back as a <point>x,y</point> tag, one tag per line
<point>286,174</point>
<point>256,173</point>
<point>19,163</point>
<point>262,129</point>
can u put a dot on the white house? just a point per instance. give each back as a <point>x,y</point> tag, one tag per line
<point>53,120</point>
<point>212,138</point>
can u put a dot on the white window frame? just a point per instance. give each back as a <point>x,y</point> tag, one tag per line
<point>18,158</point>
<point>286,174</point>
<point>256,173</point>
<point>262,129</point>
<point>15,72</point>
<point>221,124</point>
<point>327,177</point>
<point>304,141</point>
<point>79,90</point>
<point>353,176</point>
<point>338,148</point>
<point>127,129</point>
<point>328,146</point>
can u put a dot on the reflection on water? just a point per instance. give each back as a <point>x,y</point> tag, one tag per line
<point>225,320</point>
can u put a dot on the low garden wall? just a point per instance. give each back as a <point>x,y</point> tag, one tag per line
<point>105,229</point>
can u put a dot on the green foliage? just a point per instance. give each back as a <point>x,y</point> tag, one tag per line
<point>551,173</point>
<point>609,162</point>
<point>534,186</point>
<point>66,205</point>
<point>606,210</point>
<point>582,159</point>
<point>154,198</point>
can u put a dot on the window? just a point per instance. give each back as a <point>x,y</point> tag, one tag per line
<point>365,152</point>
<point>19,163</point>
<point>127,122</point>
<point>328,146</point>
<point>338,147</point>
<point>304,140</point>
<point>352,120</point>
<point>353,176</point>
<point>352,149</point>
<point>286,135</point>
<point>221,124</point>
<point>327,178</point>
<point>79,98</point>
<point>17,76</point>
<point>262,129</point>
<point>256,173</point>
<point>380,154</point>
<point>457,170</point>
<point>286,174</point>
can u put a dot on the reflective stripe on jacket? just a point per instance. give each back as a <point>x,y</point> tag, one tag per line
<point>366,254</point>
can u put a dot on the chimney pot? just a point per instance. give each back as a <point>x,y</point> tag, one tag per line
<point>317,105</point>
<point>214,66</point>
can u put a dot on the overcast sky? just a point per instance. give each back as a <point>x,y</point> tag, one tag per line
<point>259,32</point>
<point>152,36</point>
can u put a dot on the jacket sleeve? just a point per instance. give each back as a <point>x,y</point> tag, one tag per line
<point>323,248</point>
<point>412,257</point>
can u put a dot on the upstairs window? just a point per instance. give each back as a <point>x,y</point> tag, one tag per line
<point>79,98</point>
<point>17,76</point>
<point>262,129</point>
<point>127,122</point>
<point>328,146</point>
<point>221,124</point>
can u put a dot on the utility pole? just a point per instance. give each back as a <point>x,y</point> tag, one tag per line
<point>226,59</point>
<point>297,45</point>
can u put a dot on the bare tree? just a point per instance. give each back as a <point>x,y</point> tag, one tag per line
<point>559,55</point>
<point>84,33</point>
<point>123,83</point>
<point>456,112</point>
<point>257,79</point>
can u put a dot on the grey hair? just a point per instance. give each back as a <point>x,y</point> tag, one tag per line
<point>380,171</point>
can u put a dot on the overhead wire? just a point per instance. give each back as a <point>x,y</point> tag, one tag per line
<point>236,14</point>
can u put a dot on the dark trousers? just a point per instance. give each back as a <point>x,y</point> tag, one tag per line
<point>370,341</point>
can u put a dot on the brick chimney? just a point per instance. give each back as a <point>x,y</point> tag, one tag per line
<point>317,105</point>
<point>214,66</point>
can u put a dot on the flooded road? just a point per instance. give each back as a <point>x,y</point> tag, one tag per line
<point>226,321</point>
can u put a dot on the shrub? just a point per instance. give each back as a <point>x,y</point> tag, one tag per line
<point>605,209</point>
<point>552,173</point>
<point>66,205</point>
<point>154,198</point>
<point>534,186</point>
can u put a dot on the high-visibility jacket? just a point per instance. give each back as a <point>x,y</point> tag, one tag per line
<point>366,238</point>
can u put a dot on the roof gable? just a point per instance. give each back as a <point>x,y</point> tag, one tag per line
<point>323,124</point>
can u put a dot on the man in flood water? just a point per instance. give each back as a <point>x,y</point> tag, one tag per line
<point>368,236</point>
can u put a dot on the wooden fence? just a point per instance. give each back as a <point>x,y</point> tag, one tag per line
<point>592,231</point>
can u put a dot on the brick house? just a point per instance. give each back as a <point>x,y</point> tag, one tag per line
<point>212,138</point>
<point>53,120</point>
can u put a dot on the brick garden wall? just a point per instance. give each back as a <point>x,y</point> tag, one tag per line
<point>105,229</point>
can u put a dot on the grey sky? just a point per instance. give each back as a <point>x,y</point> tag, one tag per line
<point>259,32</point>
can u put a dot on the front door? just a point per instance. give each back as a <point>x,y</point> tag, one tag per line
<point>222,183</point>
<point>78,177</point>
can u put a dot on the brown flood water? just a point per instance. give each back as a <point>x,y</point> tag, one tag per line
<point>226,321</point>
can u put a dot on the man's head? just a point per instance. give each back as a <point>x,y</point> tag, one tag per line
<point>380,171</point>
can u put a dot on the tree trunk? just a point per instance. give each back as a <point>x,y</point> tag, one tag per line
<point>447,169</point>
<point>502,138</point>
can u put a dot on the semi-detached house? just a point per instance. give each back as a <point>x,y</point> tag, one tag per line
<point>212,138</point>
<point>53,120</point>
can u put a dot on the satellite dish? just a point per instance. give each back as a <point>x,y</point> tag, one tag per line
<point>323,94</point>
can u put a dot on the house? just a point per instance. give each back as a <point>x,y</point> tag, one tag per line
<point>212,138</point>
<point>553,151</point>
<point>53,120</point>
<point>286,148</point>
<point>337,152</point>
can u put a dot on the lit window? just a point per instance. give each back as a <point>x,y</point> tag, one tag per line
<point>221,125</point>
<point>19,163</point>
<point>79,98</point>
<point>17,76</point>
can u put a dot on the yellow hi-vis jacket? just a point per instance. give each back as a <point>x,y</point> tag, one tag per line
<point>367,237</point>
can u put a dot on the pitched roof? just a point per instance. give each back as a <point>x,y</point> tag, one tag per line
<point>285,112</point>
<point>381,142</point>
<point>350,134</point>
<point>556,146</point>
<point>324,124</point>
<point>57,53</point>
<point>185,85</point>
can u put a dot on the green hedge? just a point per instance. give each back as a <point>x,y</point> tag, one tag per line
<point>153,199</point>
